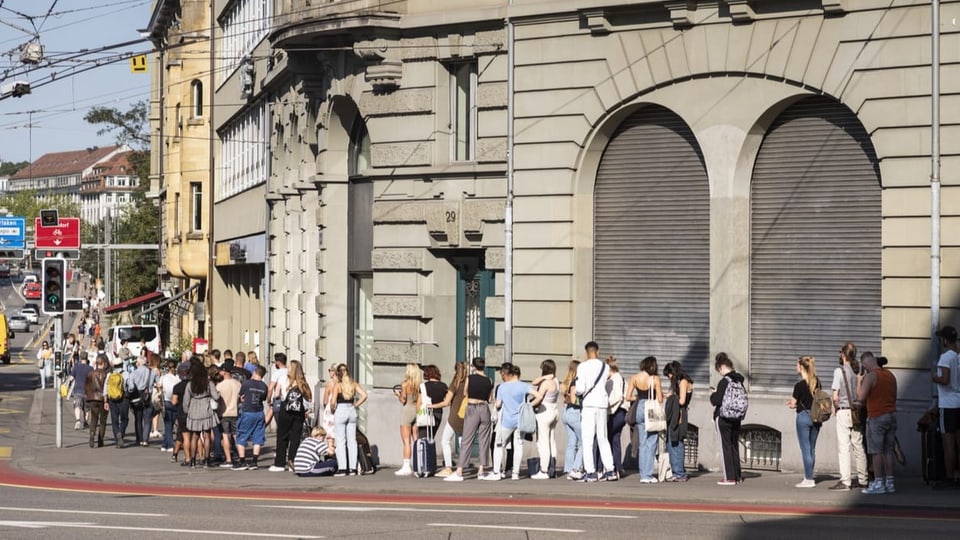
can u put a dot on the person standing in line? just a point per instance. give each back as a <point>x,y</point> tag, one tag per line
<point>728,429</point>
<point>291,417</point>
<point>644,385</point>
<point>436,391</point>
<point>453,398</point>
<point>93,389</point>
<point>510,395</point>
<point>201,417</point>
<point>45,364</point>
<point>478,389</point>
<point>167,383</point>
<point>681,386</point>
<point>277,386</point>
<point>616,413</point>
<point>807,430</point>
<point>176,399</point>
<point>573,454</point>
<point>878,389</point>
<point>349,397</point>
<point>947,378</point>
<point>409,396</point>
<point>138,385</point>
<point>251,426</point>
<point>326,405</point>
<point>849,436</point>
<point>592,390</point>
<point>229,389</point>
<point>78,376</point>
<point>548,412</point>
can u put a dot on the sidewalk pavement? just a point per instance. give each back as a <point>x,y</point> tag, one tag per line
<point>37,454</point>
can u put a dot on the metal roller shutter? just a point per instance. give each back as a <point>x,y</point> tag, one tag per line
<point>652,245</point>
<point>815,242</point>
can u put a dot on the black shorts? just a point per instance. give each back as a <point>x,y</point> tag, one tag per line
<point>180,427</point>
<point>949,420</point>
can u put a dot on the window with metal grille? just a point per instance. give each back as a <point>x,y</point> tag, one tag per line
<point>760,448</point>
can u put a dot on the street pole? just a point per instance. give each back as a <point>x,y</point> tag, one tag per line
<point>934,185</point>
<point>58,336</point>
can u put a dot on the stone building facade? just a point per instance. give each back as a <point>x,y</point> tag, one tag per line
<point>748,177</point>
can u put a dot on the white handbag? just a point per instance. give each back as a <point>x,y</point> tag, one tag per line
<point>654,418</point>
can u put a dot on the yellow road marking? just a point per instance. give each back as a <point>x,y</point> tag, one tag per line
<point>5,452</point>
<point>5,410</point>
<point>4,430</point>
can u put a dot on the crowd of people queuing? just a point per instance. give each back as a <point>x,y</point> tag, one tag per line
<point>211,409</point>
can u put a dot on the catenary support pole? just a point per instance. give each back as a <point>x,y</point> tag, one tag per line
<point>508,210</point>
<point>56,343</point>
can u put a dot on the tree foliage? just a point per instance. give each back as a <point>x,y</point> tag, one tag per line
<point>28,204</point>
<point>130,127</point>
<point>9,168</point>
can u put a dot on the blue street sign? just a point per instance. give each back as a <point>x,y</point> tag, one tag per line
<point>11,233</point>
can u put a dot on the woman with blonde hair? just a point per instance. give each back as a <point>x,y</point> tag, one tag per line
<point>409,396</point>
<point>454,428</point>
<point>573,457</point>
<point>294,402</point>
<point>348,397</point>
<point>807,430</point>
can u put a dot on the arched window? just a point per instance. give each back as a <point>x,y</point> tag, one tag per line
<point>196,99</point>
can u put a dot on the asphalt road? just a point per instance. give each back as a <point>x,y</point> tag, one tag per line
<point>46,514</point>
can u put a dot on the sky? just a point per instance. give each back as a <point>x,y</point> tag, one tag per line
<point>56,122</point>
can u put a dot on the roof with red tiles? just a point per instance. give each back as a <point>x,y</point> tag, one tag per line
<point>63,163</point>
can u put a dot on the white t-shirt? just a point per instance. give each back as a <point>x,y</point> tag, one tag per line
<point>279,376</point>
<point>947,394</point>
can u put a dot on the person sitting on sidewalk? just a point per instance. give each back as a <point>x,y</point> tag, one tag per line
<point>313,456</point>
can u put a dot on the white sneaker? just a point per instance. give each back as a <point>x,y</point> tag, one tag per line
<point>274,468</point>
<point>540,476</point>
<point>515,476</point>
<point>453,477</point>
<point>648,480</point>
<point>156,435</point>
<point>403,471</point>
<point>492,476</point>
<point>807,483</point>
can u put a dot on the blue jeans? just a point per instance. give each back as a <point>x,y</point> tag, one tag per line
<point>119,418</point>
<point>807,433</point>
<point>573,457</point>
<point>345,435</point>
<point>675,450</point>
<point>648,444</point>
<point>169,415</point>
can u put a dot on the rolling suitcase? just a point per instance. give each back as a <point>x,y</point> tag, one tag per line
<point>425,456</point>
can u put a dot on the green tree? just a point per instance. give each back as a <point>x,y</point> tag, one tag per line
<point>29,203</point>
<point>9,168</point>
<point>131,127</point>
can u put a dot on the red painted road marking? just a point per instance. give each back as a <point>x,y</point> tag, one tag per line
<point>14,478</point>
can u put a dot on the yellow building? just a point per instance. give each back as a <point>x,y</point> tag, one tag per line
<point>180,153</point>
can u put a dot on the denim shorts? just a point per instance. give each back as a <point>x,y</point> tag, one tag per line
<point>251,428</point>
<point>880,433</point>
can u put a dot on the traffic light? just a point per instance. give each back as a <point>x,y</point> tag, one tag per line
<point>54,285</point>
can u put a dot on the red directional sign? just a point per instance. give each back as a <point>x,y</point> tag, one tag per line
<point>65,235</point>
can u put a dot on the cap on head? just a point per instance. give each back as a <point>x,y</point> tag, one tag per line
<point>116,362</point>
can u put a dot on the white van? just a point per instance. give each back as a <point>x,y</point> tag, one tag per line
<point>133,334</point>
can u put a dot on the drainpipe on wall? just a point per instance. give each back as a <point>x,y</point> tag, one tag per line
<point>211,241</point>
<point>265,295</point>
<point>508,211</point>
<point>934,184</point>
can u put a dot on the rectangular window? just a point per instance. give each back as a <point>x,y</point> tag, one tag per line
<point>196,207</point>
<point>244,151</point>
<point>244,24</point>
<point>178,213</point>
<point>463,111</point>
<point>196,88</point>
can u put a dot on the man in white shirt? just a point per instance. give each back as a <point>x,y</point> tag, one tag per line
<point>948,397</point>
<point>591,387</point>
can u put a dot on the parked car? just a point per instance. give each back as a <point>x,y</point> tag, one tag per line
<point>18,323</point>
<point>32,291</point>
<point>31,314</point>
<point>4,271</point>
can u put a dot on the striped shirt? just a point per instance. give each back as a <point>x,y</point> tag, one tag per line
<point>311,452</point>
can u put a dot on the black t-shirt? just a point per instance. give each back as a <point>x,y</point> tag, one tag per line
<point>801,393</point>
<point>436,391</point>
<point>178,390</point>
<point>252,394</point>
<point>479,387</point>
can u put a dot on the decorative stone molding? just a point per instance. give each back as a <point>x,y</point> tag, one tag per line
<point>401,259</point>
<point>396,353</point>
<point>478,211</point>
<point>384,71</point>
<point>402,154</point>
<point>491,149</point>
<point>741,11</point>
<point>493,355</point>
<point>489,42</point>
<point>398,306</point>
<point>596,20</point>
<point>398,212</point>
<point>492,96</point>
<point>494,306</point>
<point>421,48</point>
<point>494,258</point>
<point>835,8</point>
<point>443,222</point>
<point>681,13</point>
<point>409,101</point>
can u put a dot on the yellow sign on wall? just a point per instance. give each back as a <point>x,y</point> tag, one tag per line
<point>138,64</point>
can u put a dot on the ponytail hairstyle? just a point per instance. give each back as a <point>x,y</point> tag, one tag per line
<point>571,375</point>
<point>612,364</point>
<point>848,353</point>
<point>809,367</point>
<point>347,385</point>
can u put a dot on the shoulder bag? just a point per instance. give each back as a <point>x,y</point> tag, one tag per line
<point>858,413</point>
<point>424,412</point>
<point>654,418</point>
